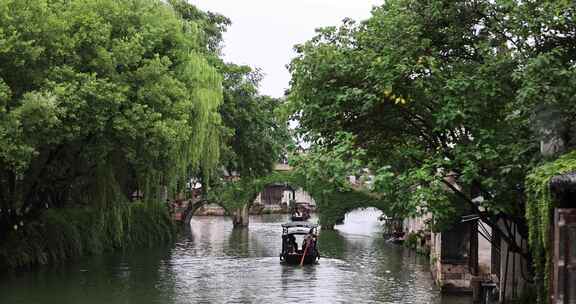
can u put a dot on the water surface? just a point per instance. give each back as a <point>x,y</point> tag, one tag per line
<point>214,263</point>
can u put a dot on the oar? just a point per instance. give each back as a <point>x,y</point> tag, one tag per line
<point>304,254</point>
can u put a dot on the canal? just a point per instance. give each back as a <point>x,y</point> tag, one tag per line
<point>214,263</point>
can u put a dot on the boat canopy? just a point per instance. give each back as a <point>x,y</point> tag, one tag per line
<point>299,224</point>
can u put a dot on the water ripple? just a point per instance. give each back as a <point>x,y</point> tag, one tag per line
<point>215,263</point>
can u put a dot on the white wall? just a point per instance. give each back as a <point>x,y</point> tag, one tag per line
<point>484,251</point>
<point>415,224</point>
<point>304,197</point>
<point>301,196</point>
<point>516,266</point>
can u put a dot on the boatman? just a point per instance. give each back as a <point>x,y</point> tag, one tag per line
<point>310,242</point>
<point>291,242</point>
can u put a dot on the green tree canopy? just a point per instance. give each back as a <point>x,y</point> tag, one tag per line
<point>99,99</point>
<point>255,134</point>
<point>259,134</point>
<point>434,91</point>
<point>429,89</point>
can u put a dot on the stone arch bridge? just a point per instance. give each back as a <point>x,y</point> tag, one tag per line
<point>237,197</point>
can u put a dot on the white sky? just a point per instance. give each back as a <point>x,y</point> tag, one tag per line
<point>263,32</point>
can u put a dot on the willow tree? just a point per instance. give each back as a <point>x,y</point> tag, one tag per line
<point>254,133</point>
<point>258,135</point>
<point>100,100</point>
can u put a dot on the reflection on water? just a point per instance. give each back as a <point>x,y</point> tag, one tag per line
<point>214,263</point>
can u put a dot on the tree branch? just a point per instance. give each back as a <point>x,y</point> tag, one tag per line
<point>507,238</point>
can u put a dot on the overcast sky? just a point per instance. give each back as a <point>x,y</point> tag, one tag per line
<point>263,32</point>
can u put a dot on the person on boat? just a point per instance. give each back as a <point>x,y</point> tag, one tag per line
<point>291,244</point>
<point>306,212</point>
<point>297,213</point>
<point>309,242</point>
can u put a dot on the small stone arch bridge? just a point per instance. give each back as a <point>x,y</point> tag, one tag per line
<point>237,197</point>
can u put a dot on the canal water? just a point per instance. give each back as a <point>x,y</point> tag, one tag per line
<point>214,263</point>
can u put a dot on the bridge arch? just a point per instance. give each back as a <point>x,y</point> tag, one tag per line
<point>194,206</point>
<point>332,205</point>
<point>239,196</point>
<point>365,211</point>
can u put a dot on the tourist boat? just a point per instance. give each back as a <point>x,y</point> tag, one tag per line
<point>304,233</point>
<point>301,212</point>
<point>296,217</point>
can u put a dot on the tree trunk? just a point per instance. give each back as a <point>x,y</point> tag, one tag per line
<point>240,216</point>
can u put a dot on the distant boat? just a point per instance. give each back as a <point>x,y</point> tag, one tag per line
<point>301,212</point>
<point>308,253</point>
<point>396,237</point>
<point>395,240</point>
<point>299,217</point>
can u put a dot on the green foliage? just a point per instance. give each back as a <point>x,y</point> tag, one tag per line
<point>253,134</point>
<point>99,99</point>
<point>333,205</point>
<point>425,95</point>
<point>258,135</point>
<point>60,235</point>
<point>212,25</point>
<point>411,240</point>
<point>436,89</point>
<point>426,194</point>
<point>236,194</point>
<point>324,170</point>
<point>330,165</point>
<point>332,202</point>
<point>447,101</point>
<point>539,213</point>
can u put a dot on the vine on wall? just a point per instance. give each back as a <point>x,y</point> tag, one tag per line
<point>539,213</point>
